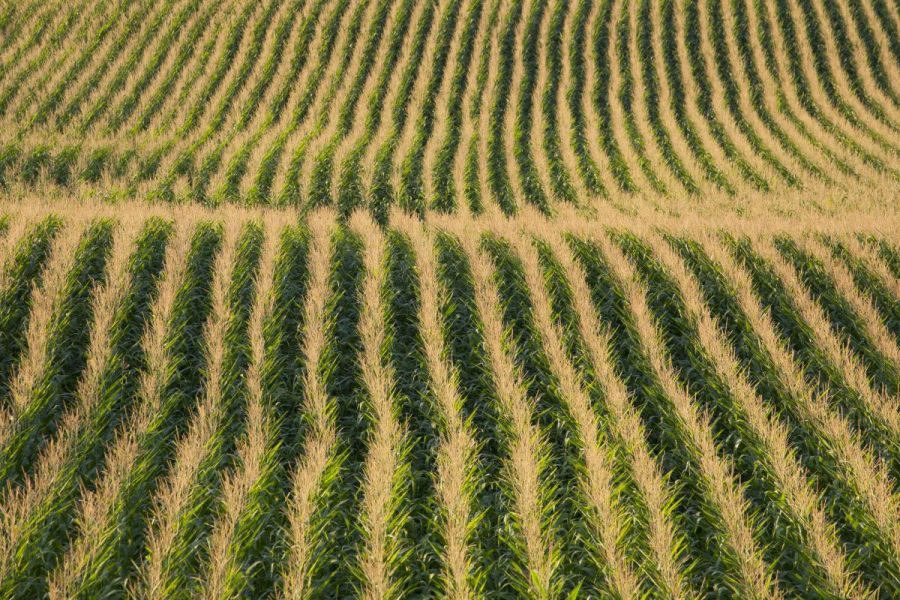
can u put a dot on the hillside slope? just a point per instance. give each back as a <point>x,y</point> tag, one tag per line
<point>450,298</point>
<point>231,403</point>
<point>452,105</point>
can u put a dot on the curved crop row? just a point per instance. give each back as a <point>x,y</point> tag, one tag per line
<point>468,407</point>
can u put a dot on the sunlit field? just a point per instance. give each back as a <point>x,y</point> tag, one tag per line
<point>455,298</point>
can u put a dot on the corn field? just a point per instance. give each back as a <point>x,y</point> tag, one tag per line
<point>545,299</point>
<point>240,403</point>
<point>451,105</point>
